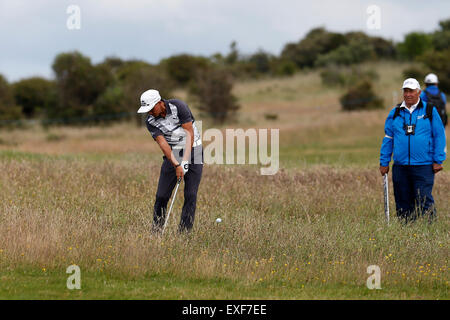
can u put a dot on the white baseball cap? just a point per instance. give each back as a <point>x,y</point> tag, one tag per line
<point>411,83</point>
<point>431,78</point>
<point>148,100</point>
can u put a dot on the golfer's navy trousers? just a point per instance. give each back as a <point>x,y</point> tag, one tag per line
<point>412,191</point>
<point>166,184</point>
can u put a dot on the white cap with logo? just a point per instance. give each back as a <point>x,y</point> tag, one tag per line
<point>431,78</point>
<point>148,100</point>
<point>411,83</point>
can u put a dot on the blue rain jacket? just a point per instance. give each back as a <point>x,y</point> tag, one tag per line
<point>426,146</point>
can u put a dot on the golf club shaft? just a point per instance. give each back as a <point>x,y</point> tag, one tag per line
<point>171,205</point>
<point>386,196</point>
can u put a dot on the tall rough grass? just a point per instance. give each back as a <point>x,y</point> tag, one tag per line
<point>85,197</point>
<point>319,227</point>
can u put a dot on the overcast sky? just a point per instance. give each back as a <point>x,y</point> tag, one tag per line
<point>32,32</point>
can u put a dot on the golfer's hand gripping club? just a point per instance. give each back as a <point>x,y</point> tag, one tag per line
<point>384,170</point>
<point>437,167</point>
<point>179,171</point>
<point>185,165</point>
<point>182,169</point>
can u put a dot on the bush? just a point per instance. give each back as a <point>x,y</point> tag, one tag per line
<point>244,66</point>
<point>439,63</point>
<point>336,76</point>
<point>361,97</point>
<point>445,25</point>
<point>354,52</point>
<point>9,111</point>
<point>35,95</point>
<point>417,72</point>
<point>414,45</point>
<point>233,56</point>
<point>114,63</point>
<point>212,92</point>
<point>79,84</point>
<point>384,49</point>
<point>252,66</point>
<point>284,68</point>
<point>317,41</point>
<point>333,77</point>
<point>183,68</point>
<point>136,77</point>
<point>261,61</point>
<point>110,105</point>
<point>270,116</point>
<point>441,38</point>
<point>53,137</point>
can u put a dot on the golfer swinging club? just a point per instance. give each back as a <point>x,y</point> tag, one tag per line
<point>172,126</point>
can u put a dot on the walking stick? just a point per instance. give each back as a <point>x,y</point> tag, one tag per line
<point>386,196</point>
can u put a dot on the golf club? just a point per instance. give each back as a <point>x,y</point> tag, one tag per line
<point>171,205</point>
<point>386,196</point>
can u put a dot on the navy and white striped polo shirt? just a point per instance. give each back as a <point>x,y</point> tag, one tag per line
<point>177,113</point>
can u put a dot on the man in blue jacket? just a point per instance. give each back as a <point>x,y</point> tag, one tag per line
<point>417,140</point>
<point>433,95</point>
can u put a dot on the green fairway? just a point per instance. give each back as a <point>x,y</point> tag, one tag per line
<point>36,284</point>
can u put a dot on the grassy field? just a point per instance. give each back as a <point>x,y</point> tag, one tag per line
<point>84,196</point>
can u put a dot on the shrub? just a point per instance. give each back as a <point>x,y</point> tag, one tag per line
<point>354,52</point>
<point>212,92</point>
<point>383,48</point>
<point>233,56</point>
<point>441,38</point>
<point>333,77</point>
<point>445,25</point>
<point>417,72</point>
<point>252,66</point>
<point>9,111</point>
<point>183,68</point>
<point>136,77</point>
<point>439,63</point>
<point>283,67</point>
<point>35,95</point>
<point>415,44</point>
<point>361,97</point>
<point>261,61</point>
<point>79,84</point>
<point>337,76</point>
<point>317,41</point>
<point>270,116</point>
<point>110,105</point>
<point>53,137</point>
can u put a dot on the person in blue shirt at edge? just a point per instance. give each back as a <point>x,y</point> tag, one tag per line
<point>418,145</point>
<point>433,93</point>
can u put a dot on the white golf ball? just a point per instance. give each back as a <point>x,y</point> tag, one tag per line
<point>218,220</point>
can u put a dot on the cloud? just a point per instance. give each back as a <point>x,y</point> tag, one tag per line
<point>33,32</point>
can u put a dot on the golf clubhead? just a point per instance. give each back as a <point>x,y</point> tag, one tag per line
<point>386,196</point>
<point>171,205</point>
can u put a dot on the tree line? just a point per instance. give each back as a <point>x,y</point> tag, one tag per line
<point>86,93</point>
